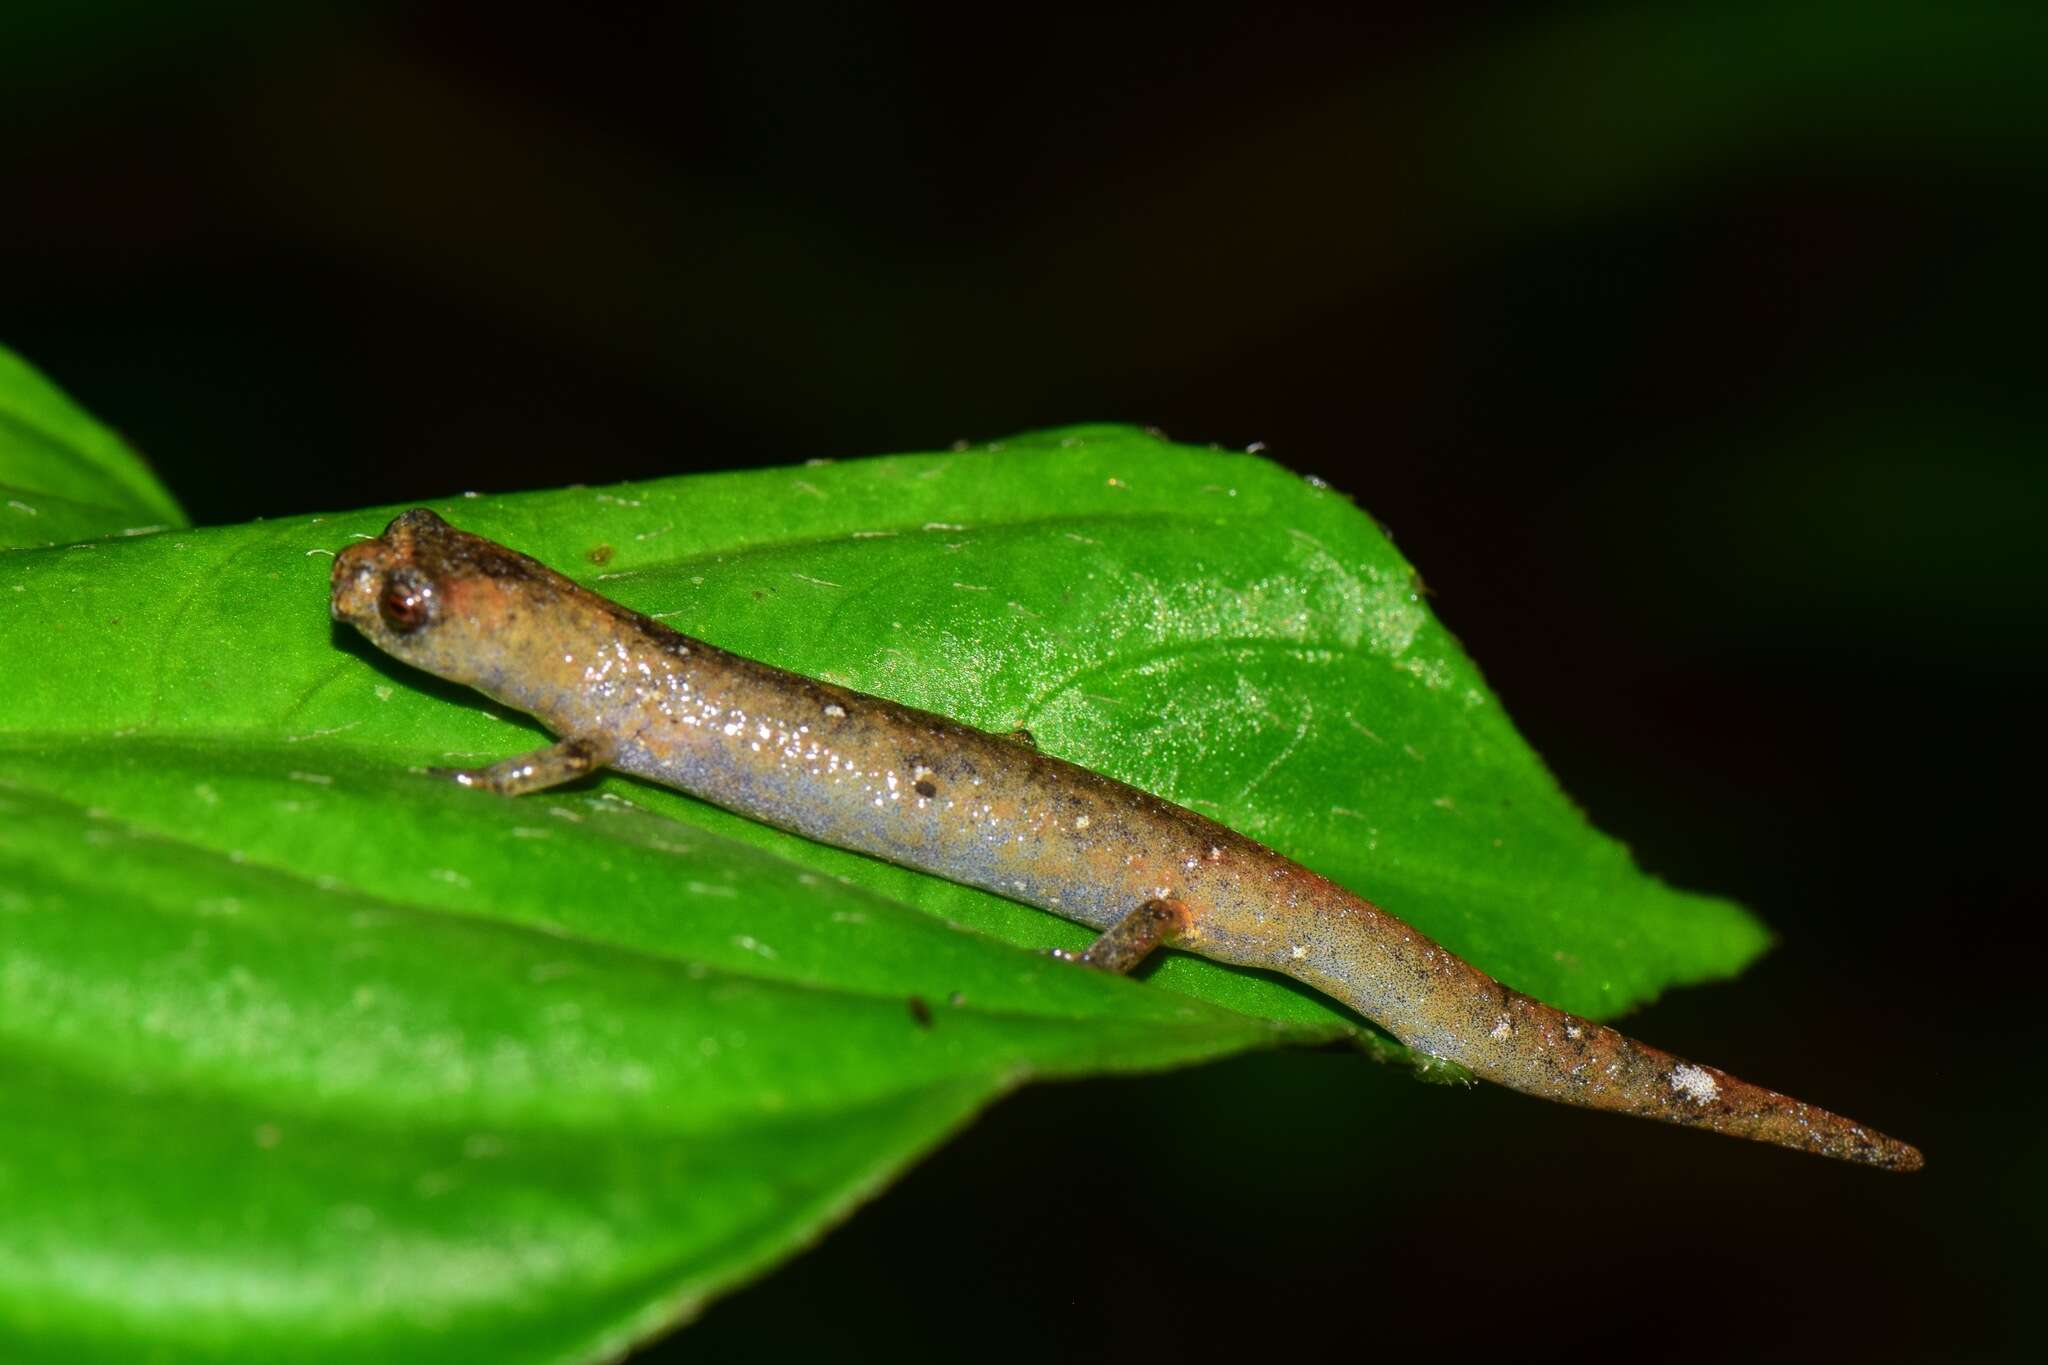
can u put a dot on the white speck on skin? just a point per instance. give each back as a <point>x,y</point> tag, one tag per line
<point>1080,822</point>
<point>1695,1084</point>
<point>834,709</point>
<point>1297,952</point>
<point>1503,1028</point>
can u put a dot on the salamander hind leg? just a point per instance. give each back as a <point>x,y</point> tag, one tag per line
<point>1131,939</point>
<point>561,762</point>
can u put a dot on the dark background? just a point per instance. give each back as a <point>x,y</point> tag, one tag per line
<point>1693,351</point>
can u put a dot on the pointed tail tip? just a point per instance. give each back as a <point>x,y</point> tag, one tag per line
<point>1767,1116</point>
<point>1840,1138</point>
<point>1893,1155</point>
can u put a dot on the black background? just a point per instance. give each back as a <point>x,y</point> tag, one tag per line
<point>1692,351</point>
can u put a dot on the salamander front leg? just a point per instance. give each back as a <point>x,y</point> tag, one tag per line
<point>543,768</point>
<point>1131,939</point>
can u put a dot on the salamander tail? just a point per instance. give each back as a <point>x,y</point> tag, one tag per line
<point>1544,1051</point>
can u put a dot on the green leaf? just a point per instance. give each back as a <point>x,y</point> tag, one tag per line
<point>309,1054</point>
<point>63,476</point>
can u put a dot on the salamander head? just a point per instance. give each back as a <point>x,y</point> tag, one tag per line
<point>442,599</point>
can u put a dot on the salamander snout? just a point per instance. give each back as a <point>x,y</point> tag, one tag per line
<point>353,579</point>
<point>438,597</point>
<point>381,593</point>
<point>364,571</point>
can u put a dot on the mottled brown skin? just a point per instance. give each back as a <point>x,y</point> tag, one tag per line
<point>864,773</point>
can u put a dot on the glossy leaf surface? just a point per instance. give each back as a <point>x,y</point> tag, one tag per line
<point>63,476</point>
<point>312,1055</point>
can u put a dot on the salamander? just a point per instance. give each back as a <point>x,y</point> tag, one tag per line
<point>860,772</point>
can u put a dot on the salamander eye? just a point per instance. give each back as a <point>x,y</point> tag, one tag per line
<point>406,603</point>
